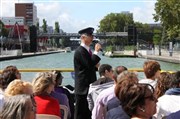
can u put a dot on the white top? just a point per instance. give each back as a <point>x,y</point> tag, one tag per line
<point>1,99</point>
<point>94,91</point>
<point>99,109</point>
<point>149,81</point>
<point>85,46</point>
<point>167,104</point>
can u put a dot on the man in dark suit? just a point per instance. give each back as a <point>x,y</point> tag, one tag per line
<point>85,66</point>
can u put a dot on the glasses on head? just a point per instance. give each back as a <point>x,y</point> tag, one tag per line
<point>150,87</point>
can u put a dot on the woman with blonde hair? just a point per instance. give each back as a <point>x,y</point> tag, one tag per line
<point>18,87</point>
<point>43,85</point>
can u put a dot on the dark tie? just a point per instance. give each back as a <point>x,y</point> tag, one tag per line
<point>90,52</point>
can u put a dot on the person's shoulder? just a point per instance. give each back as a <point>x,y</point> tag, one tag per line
<point>79,50</point>
<point>105,92</point>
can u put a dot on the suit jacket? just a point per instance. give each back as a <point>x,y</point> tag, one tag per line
<point>85,70</point>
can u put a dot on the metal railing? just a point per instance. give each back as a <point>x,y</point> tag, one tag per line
<point>72,70</point>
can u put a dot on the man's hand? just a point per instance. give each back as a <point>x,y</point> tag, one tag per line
<point>97,65</point>
<point>97,47</point>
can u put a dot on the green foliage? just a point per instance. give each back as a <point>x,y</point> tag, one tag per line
<point>115,22</point>
<point>37,25</point>
<point>168,13</point>
<point>109,48</point>
<point>130,47</point>
<point>57,27</point>
<point>157,36</point>
<point>44,26</point>
<point>4,32</point>
<point>65,42</point>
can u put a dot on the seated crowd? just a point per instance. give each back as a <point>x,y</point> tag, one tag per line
<point>117,94</point>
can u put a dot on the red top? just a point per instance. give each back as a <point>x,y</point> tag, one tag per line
<point>47,105</point>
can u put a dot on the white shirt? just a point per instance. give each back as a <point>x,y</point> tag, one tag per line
<point>1,100</point>
<point>87,48</point>
<point>149,81</point>
<point>167,104</point>
<point>99,109</point>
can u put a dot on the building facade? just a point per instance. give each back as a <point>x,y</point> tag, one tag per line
<point>28,11</point>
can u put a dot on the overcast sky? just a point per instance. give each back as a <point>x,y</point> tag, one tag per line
<point>74,15</point>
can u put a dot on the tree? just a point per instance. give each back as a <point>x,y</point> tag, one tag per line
<point>157,37</point>
<point>57,27</point>
<point>44,26</point>
<point>4,32</point>
<point>57,31</point>
<point>65,42</point>
<point>168,13</point>
<point>37,26</point>
<point>115,22</point>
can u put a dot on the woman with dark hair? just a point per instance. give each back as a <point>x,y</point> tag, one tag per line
<point>163,83</point>
<point>9,74</point>
<point>169,102</point>
<point>137,100</point>
<point>62,94</point>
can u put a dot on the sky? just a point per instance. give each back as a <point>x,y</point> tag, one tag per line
<point>74,15</point>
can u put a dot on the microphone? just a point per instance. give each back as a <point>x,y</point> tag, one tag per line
<point>102,51</point>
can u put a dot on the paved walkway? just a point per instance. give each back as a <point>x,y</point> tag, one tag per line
<point>9,57</point>
<point>175,58</point>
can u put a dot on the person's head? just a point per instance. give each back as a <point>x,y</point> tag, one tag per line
<point>9,74</point>
<point>151,69</point>
<point>163,83</point>
<point>175,81</point>
<point>118,71</point>
<point>106,70</point>
<point>137,100</point>
<point>87,35</point>
<point>126,75</point>
<point>59,78</point>
<point>19,107</point>
<point>44,83</point>
<point>18,87</point>
<point>124,79</point>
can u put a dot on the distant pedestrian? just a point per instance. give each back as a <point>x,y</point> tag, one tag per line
<point>85,66</point>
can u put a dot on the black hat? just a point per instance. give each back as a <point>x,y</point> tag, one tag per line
<point>88,31</point>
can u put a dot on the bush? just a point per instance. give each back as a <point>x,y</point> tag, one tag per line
<point>130,47</point>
